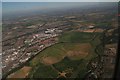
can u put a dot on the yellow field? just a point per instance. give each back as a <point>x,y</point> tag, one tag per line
<point>22,73</point>
<point>79,51</point>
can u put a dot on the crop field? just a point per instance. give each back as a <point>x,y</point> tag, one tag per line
<point>70,56</point>
<point>76,37</point>
<point>22,73</point>
<point>43,71</point>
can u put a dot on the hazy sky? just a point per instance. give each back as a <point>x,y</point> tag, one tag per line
<point>27,7</point>
<point>15,7</point>
<point>60,0</point>
<point>12,7</point>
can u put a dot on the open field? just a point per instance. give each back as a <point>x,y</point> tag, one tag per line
<point>67,63</point>
<point>22,73</point>
<point>57,52</point>
<point>43,71</point>
<point>79,51</point>
<point>75,37</point>
<point>70,56</point>
<point>93,30</point>
<point>73,52</point>
<point>49,56</point>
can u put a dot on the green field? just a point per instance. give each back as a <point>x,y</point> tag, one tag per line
<point>42,71</point>
<point>54,51</point>
<point>67,63</point>
<point>58,55</point>
<point>75,37</point>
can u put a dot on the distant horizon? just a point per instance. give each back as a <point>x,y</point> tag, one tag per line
<point>12,8</point>
<point>23,6</point>
<point>61,1</point>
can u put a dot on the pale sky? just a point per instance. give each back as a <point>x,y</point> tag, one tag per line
<point>60,0</point>
<point>22,7</point>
